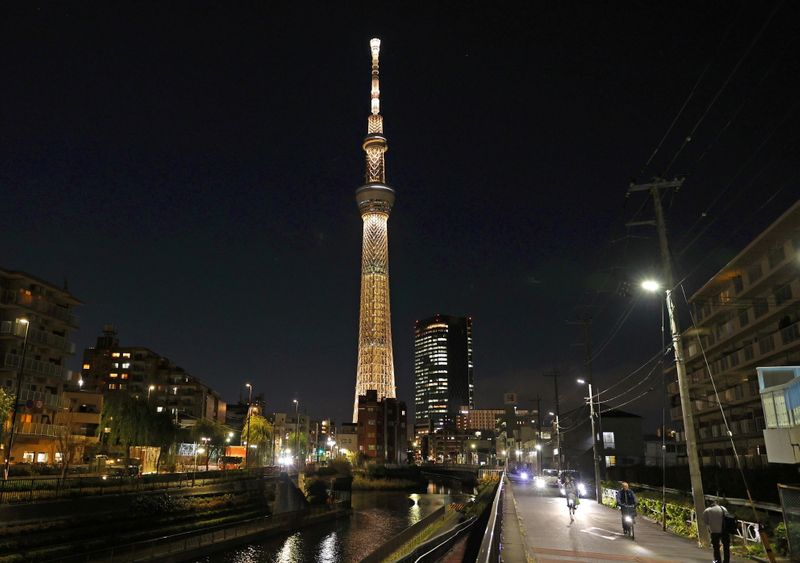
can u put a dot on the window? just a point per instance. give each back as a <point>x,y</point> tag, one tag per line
<point>608,440</point>
<point>59,457</point>
<point>754,272</point>
<point>115,354</point>
<point>41,457</point>
<point>775,256</point>
<point>27,457</point>
<point>159,409</point>
<point>126,354</point>
<point>611,460</point>
<point>25,418</point>
<point>113,375</point>
<point>124,376</point>
<point>783,294</point>
<point>87,366</point>
<point>112,385</point>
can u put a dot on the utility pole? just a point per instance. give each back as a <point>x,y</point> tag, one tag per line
<point>539,430</point>
<point>695,475</point>
<point>554,375</point>
<point>586,323</point>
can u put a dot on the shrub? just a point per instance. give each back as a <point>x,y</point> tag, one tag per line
<point>317,491</point>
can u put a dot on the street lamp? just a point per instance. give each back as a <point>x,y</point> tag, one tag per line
<point>297,430</point>
<point>249,410</point>
<point>150,390</point>
<point>695,476</point>
<point>26,323</point>
<point>597,489</point>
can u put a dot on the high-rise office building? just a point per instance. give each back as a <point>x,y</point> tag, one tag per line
<point>443,370</point>
<point>375,370</point>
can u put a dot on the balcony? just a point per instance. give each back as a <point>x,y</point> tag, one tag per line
<point>34,366</point>
<point>40,429</point>
<point>780,399</point>
<point>40,337</point>
<point>36,303</point>
<point>49,400</point>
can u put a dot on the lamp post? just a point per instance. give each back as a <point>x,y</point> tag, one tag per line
<point>297,430</point>
<point>247,435</point>
<point>538,459</point>
<point>150,390</point>
<point>557,451</point>
<point>686,410</point>
<point>26,323</point>
<point>597,490</point>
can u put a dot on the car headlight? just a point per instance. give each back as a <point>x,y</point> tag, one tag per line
<point>523,476</point>
<point>540,483</point>
<point>581,489</point>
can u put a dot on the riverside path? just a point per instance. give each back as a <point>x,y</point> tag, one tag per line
<point>595,535</point>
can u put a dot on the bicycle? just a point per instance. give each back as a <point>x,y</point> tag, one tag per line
<point>571,506</point>
<point>629,520</point>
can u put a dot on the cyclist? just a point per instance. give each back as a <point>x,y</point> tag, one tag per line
<point>626,501</point>
<point>571,492</point>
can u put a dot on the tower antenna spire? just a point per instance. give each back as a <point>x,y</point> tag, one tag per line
<point>375,47</point>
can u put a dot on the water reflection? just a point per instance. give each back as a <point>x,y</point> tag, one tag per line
<point>376,517</point>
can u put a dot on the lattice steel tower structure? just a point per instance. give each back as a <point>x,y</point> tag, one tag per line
<point>375,368</point>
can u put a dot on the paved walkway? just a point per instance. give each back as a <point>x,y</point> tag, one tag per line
<point>595,535</point>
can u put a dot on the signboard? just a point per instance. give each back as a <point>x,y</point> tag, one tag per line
<point>510,398</point>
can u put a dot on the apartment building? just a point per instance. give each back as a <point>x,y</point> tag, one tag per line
<point>382,434</point>
<point>746,317</point>
<point>37,321</point>
<point>110,368</point>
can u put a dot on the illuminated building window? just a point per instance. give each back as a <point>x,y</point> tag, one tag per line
<point>87,366</point>
<point>26,418</point>
<point>28,457</point>
<point>126,354</point>
<point>115,354</point>
<point>159,409</point>
<point>124,376</point>
<point>126,365</point>
<point>608,440</point>
<point>59,457</point>
<point>113,375</point>
<point>41,457</point>
<point>112,385</point>
<point>611,460</point>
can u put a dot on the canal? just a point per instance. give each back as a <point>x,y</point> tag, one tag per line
<point>376,517</point>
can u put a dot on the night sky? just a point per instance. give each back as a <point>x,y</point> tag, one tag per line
<point>191,172</point>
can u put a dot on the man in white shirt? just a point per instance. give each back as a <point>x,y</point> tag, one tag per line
<point>714,517</point>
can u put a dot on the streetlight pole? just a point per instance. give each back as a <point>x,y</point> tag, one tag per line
<point>297,430</point>
<point>26,323</point>
<point>249,410</point>
<point>597,488</point>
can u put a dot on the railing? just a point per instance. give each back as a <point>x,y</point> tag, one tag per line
<point>40,429</point>
<point>48,488</point>
<point>48,399</point>
<point>490,545</point>
<point>36,303</point>
<point>432,550</point>
<point>32,365</point>
<point>748,531</point>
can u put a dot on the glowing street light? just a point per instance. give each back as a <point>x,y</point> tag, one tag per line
<point>651,285</point>
<point>150,390</point>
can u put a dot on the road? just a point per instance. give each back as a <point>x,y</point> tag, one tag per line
<point>595,535</point>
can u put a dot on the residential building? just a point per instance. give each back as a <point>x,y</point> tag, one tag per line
<point>382,433</point>
<point>443,370</point>
<point>284,427</point>
<point>39,317</point>
<point>478,419</point>
<point>780,400</point>
<point>746,316</point>
<point>347,440</point>
<point>658,452</point>
<point>80,415</point>
<point>111,368</point>
<point>622,441</point>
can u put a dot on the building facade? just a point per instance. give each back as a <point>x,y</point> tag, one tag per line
<point>747,317</point>
<point>478,419</point>
<point>37,321</point>
<point>110,368</point>
<point>382,433</point>
<point>375,365</point>
<point>443,370</point>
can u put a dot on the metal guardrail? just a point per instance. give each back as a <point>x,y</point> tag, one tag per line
<point>48,488</point>
<point>490,545</point>
<point>434,548</point>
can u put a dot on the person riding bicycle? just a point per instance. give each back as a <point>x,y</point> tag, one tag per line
<point>626,501</point>
<point>571,492</point>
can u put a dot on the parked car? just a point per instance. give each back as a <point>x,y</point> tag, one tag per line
<point>547,478</point>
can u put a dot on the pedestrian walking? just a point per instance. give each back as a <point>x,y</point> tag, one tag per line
<point>714,517</point>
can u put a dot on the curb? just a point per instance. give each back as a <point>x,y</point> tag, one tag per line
<point>529,557</point>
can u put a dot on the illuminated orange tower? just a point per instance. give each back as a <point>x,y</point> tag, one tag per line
<point>375,368</point>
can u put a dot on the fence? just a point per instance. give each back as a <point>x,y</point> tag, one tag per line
<point>790,501</point>
<point>490,545</point>
<point>396,542</point>
<point>748,531</point>
<point>48,488</point>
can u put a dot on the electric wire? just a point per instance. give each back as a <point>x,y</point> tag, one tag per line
<point>722,88</point>
<point>691,92</point>
<point>617,326</point>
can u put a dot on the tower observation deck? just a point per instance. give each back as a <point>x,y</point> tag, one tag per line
<point>375,369</point>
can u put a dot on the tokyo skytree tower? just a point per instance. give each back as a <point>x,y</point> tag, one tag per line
<point>375,368</point>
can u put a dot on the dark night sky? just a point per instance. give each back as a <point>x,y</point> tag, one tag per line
<point>191,172</point>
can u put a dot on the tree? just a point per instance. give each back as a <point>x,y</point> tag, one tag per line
<point>163,434</point>
<point>298,441</point>
<point>6,403</point>
<point>215,434</point>
<point>261,432</point>
<point>134,422</point>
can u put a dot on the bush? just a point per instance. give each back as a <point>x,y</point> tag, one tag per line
<point>342,466</point>
<point>317,491</point>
